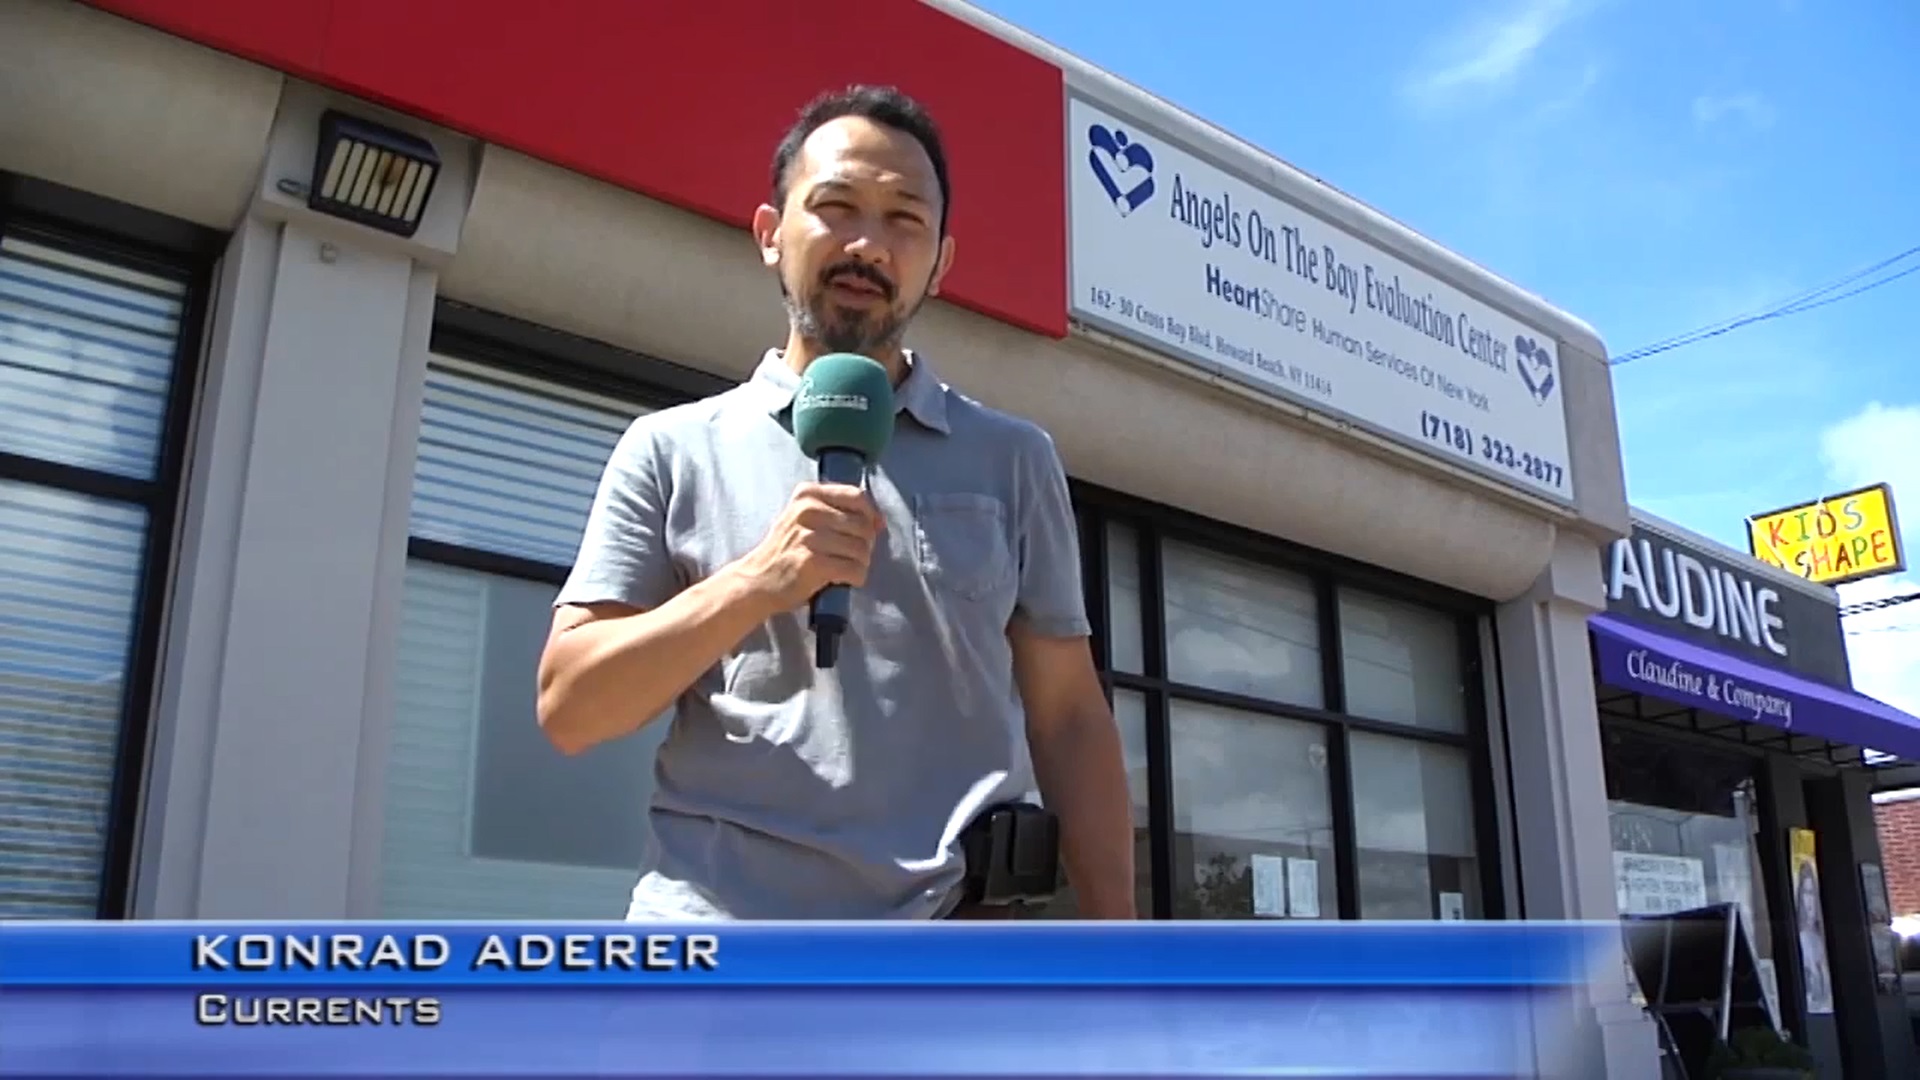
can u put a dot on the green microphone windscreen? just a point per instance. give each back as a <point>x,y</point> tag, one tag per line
<point>845,402</point>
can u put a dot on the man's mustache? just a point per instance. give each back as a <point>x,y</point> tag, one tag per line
<point>862,271</point>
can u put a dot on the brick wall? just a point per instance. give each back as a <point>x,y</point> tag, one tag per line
<point>1899,821</point>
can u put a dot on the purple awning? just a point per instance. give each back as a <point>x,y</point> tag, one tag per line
<point>1635,658</point>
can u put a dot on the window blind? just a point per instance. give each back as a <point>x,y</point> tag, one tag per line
<point>508,465</point>
<point>86,365</point>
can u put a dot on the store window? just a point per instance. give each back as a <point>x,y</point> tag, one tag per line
<point>1320,754</point>
<point>1241,628</point>
<point>1127,650</point>
<point>1413,799</point>
<point>1413,821</point>
<point>93,343</point>
<point>1253,816</point>
<point>1401,662</point>
<point>484,818</point>
<point>1685,825</point>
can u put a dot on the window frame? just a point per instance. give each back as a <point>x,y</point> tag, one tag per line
<point>97,228</point>
<point>1153,526</point>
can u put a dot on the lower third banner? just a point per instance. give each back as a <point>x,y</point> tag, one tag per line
<point>793,1001</point>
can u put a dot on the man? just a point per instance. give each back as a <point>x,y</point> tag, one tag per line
<point>965,680</point>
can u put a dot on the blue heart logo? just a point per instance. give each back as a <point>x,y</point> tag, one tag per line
<point>1534,362</point>
<point>1123,167</point>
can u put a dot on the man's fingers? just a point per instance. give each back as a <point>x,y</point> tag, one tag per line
<point>842,539</point>
<point>845,570</point>
<point>844,504</point>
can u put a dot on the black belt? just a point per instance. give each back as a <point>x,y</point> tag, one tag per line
<point>1013,856</point>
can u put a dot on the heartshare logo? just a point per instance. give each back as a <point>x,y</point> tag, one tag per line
<point>1123,167</point>
<point>1534,362</point>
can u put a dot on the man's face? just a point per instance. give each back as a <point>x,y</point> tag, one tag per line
<point>857,245</point>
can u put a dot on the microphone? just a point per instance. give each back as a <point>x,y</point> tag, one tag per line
<point>843,419</point>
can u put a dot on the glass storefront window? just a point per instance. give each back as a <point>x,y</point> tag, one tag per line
<point>1413,816</point>
<point>1401,662</point>
<point>70,577</point>
<point>482,813</point>
<point>90,351</point>
<point>1684,829</point>
<point>1241,627</point>
<point>1253,817</point>
<point>1128,653</point>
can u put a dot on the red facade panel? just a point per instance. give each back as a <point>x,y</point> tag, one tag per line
<point>683,102</point>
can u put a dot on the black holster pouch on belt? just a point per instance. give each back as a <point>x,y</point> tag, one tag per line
<point>1013,856</point>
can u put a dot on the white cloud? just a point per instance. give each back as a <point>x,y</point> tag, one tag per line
<point>1748,108</point>
<point>1491,52</point>
<point>1881,443</point>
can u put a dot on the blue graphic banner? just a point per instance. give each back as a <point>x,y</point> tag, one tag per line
<point>774,1033</point>
<point>787,1001</point>
<point>1032,954</point>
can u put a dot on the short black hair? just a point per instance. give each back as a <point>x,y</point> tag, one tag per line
<point>884,105</point>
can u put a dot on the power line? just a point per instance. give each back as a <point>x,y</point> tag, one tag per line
<point>1860,607</point>
<point>1804,302</point>
<point>1779,305</point>
<point>1868,287</point>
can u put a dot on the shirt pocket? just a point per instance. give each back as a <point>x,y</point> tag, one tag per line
<point>961,543</point>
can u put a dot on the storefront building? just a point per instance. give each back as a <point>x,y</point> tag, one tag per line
<point>1741,769</point>
<point>284,495</point>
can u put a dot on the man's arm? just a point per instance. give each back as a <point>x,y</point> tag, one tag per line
<point>609,668</point>
<point>627,640</point>
<point>1071,735</point>
<point>1081,768</point>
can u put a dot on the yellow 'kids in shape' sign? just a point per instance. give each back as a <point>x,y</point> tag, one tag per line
<point>1833,540</point>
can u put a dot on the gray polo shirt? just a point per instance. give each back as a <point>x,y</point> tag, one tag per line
<point>783,792</point>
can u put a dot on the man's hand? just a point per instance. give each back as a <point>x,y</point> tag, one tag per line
<point>608,668</point>
<point>1078,760</point>
<point>824,537</point>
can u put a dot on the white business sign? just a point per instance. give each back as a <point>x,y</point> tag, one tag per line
<point>1189,259</point>
<point>1658,884</point>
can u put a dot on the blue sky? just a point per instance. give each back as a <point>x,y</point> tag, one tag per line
<point>1651,168</point>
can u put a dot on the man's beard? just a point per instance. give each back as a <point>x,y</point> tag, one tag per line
<point>831,328</point>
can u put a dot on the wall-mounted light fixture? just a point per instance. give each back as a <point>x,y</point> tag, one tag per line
<point>370,174</point>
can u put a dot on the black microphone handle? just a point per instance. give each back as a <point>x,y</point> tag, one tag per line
<point>827,615</point>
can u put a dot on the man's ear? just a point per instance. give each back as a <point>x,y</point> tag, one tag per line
<point>766,229</point>
<point>941,265</point>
